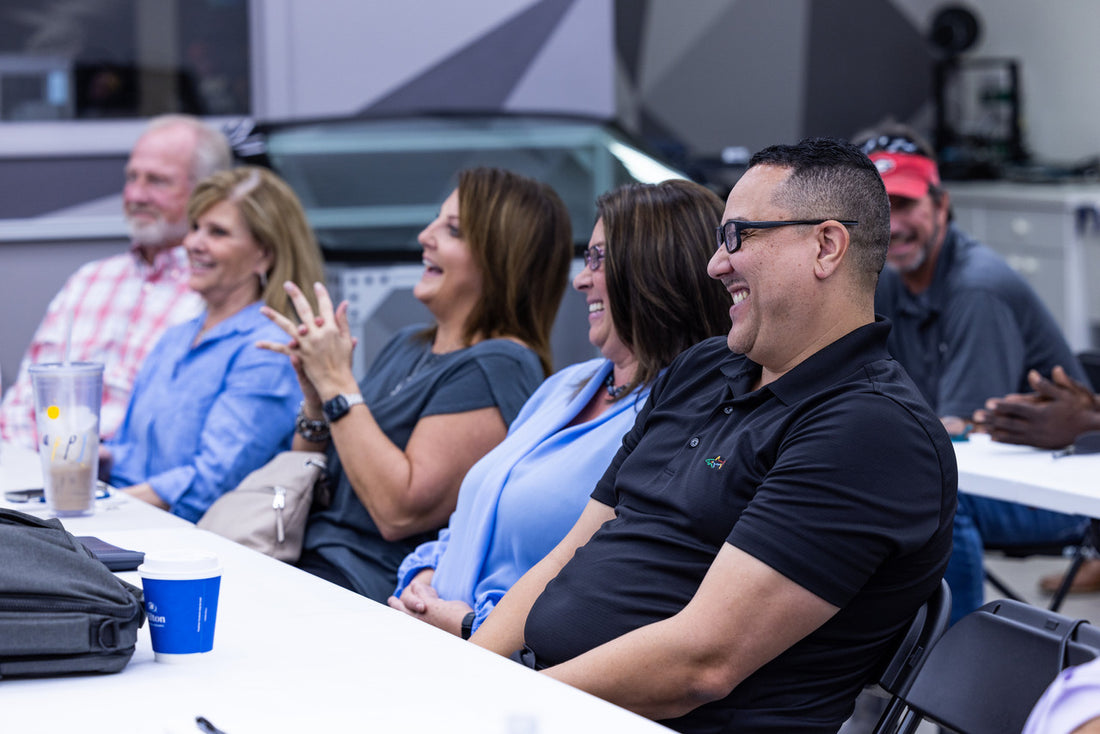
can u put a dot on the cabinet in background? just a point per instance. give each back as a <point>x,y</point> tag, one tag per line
<point>1050,234</point>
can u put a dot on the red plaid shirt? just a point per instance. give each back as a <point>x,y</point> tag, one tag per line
<point>120,305</point>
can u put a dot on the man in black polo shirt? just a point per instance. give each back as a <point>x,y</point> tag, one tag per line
<point>773,519</point>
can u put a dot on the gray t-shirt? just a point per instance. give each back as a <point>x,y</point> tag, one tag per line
<point>406,383</point>
<point>975,333</point>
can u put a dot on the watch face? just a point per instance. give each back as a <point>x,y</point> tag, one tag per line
<point>335,409</point>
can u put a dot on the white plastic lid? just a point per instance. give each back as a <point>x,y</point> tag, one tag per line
<point>180,564</point>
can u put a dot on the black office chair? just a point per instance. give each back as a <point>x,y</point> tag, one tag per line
<point>927,627</point>
<point>985,674</point>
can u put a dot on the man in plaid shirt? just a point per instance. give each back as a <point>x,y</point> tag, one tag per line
<point>120,305</point>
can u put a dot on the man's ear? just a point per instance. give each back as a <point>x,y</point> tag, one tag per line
<point>943,207</point>
<point>832,247</point>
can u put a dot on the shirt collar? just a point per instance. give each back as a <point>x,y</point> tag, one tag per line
<point>932,300</point>
<point>821,369</point>
<point>171,262</point>
<point>244,321</point>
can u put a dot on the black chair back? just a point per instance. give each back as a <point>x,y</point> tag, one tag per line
<point>927,627</point>
<point>986,672</point>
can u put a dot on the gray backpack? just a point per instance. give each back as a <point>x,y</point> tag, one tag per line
<point>61,610</point>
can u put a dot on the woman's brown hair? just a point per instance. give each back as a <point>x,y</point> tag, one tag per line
<point>519,234</point>
<point>659,239</point>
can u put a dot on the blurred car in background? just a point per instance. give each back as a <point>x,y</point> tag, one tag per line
<point>370,184</point>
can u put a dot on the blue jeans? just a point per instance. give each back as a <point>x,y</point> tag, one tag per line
<point>980,521</point>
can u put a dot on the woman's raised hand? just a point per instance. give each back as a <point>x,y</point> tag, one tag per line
<point>320,347</point>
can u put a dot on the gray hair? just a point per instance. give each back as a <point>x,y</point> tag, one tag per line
<point>212,152</point>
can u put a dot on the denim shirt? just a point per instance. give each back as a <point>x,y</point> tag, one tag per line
<point>201,418</point>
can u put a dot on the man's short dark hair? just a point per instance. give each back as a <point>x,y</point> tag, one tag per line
<point>831,178</point>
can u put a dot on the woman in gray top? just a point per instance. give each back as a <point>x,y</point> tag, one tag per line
<point>436,399</point>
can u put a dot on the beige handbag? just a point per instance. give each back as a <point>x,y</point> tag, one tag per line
<point>269,508</point>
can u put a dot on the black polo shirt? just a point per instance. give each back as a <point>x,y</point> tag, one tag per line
<point>838,475</point>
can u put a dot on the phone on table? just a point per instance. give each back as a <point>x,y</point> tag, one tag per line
<point>25,495</point>
<point>113,557</point>
<point>38,494</point>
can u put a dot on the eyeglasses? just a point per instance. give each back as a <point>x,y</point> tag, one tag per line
<point>729,233</point>
<point>593,257</point>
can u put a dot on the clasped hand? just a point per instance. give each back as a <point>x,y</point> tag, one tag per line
<point>320,347</point>
<point>1053,416</point>
<point>420,600</point>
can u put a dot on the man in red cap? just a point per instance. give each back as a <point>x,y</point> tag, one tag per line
<point>967,328</point>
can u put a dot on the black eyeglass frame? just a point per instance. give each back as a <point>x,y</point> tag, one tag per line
<point>740,225</point>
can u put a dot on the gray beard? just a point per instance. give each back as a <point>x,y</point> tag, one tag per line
<point>158,233</point>
<point>916,264</point>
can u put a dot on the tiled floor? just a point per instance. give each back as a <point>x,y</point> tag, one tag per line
<point>1021,575</point>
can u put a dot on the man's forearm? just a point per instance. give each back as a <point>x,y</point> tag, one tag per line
<point>655,671</point>
<point>502,630</point>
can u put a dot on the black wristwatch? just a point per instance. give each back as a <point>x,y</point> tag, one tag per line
<point>468,625</point>
<point>337,407</point>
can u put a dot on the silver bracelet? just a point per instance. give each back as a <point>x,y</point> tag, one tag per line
<point>314,431</point>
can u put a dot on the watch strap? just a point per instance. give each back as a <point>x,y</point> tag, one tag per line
<point>338,406</point>
<point>468,625</point>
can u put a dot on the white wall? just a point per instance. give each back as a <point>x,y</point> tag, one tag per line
<point>1056,42</point>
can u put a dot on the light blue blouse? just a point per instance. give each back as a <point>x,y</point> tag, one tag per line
<point>202,418</point>
<point>521,498</point>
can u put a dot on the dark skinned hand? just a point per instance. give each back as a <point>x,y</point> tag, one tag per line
<point>1059,410</point>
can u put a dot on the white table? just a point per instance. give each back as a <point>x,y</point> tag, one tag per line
<point>20,468</point>
<point>1029,476</point>
<point>295,654</point>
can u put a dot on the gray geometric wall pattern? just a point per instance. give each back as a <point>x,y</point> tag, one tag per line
<point>712,73</point>
<point>481,75</point>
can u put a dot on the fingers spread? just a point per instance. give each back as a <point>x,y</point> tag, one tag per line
<point>301,303</point>
<point>278,319</point>
<point>274,347</point>
<point>324,302</point>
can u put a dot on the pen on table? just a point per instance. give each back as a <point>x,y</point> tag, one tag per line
<point>205,726</point>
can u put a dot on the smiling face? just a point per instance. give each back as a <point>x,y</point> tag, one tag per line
<point>917,229</point>
<point>451,282</point>
<point>592,284</point>
<point>767,276</point>
<point>226,260</point>
<point>158,183</point>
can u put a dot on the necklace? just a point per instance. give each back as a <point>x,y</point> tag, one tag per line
<point>426,358</point>
<point>613,391</point>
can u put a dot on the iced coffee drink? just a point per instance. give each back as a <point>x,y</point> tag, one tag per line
<point>67,400</point>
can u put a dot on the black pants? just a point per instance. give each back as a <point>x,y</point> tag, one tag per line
<point>314,563</point>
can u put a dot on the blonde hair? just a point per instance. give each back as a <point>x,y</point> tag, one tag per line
<point>276,220</point>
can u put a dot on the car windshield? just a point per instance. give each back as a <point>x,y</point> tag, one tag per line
<point>370,185</point>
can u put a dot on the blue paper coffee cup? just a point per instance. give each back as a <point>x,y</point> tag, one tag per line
<point>181,602</point>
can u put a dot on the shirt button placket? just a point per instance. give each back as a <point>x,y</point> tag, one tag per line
<point>693,442</point>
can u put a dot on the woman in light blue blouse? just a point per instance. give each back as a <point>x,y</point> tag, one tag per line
<point>208,407</point>
<point>649,298</point>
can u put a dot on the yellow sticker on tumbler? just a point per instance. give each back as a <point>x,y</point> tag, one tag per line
<point>53,411</point>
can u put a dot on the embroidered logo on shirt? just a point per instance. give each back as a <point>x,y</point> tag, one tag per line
<point>716,463</point>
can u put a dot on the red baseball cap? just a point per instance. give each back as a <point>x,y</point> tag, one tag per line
<point>906,174</point>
